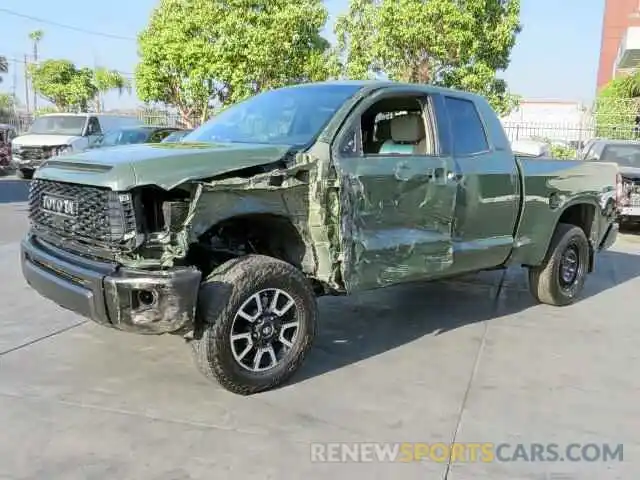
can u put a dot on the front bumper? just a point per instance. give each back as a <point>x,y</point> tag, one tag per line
<point>22,164</point>
<point>147,302</point>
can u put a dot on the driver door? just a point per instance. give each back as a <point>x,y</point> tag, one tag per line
<point>396,203</point>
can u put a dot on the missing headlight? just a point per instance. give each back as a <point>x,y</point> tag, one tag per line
<point>174,213</point>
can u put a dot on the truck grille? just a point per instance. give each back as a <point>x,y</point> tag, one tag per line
<point>93,214</point>
<point>36,153</point>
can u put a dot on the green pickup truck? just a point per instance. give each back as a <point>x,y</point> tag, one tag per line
<point>229,237</point>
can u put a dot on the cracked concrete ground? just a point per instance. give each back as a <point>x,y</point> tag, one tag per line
<point>418,363</point>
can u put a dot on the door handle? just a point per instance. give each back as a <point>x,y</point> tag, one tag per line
<point>454,177</point>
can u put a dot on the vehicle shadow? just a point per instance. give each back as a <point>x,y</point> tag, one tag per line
<point>13,190</point>
<point>364,325</point>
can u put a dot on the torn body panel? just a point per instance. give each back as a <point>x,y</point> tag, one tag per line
<point>298,196</point>
<point>396,219</point>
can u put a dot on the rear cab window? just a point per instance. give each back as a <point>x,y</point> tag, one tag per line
<point>467,129</point>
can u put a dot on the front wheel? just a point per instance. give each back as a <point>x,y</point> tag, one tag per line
<point>560,278</point>
<point>255,324</point>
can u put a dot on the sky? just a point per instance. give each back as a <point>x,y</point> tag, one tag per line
<point>555,57</point>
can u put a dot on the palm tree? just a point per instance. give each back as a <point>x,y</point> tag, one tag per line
<point>4,66</point>
<point>35,37</point>
<point>105,80</point>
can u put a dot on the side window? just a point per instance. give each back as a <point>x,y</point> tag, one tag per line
<point>93,127</point>
<point>396,126</point>
<point>468,132</point>
<point>595,152</point>
<point>588,153</point>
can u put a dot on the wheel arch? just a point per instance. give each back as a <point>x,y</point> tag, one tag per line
<point>580,212</point>
<point>260,231</point>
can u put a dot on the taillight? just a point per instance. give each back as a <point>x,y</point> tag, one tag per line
<point>619,189</point>
<point>622,194</point>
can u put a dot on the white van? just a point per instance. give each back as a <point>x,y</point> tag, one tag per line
<point>60,133</point>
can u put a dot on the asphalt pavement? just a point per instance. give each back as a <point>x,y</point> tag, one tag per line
<point>460,361</point>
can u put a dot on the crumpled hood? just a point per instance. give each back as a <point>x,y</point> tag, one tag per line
<point>166,165</point>
<point>33,139</point>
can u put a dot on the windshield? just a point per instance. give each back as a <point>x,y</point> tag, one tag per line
<point>58,125</point>
<point>123,137</point>
<point>289,116</point>
<point>623,155</point>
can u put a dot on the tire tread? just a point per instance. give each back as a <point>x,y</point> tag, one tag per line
<point>242,273</point>
<point>541,279</point>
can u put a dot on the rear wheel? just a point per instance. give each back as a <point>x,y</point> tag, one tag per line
<point>560,279</point>
<point>256,322</point>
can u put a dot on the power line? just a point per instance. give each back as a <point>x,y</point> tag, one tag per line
<point>40,60</point>
<point>68,27</point>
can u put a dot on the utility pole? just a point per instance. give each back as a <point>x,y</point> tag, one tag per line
<point>26,83</point>
<point>14,90</point>
<point>35,63</point>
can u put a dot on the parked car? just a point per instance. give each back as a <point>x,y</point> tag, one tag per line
<point>176,136</point>
<point>228,237</point>
<point>626,154</point>
<point>133,135</point>
<point>61,133</point>
<point>7,133</point>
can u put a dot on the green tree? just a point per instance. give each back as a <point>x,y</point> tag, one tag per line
<point>563,153</point>
<point>45,111</point>
<point>7,102</point>
<point>106,80</point>
<point>64,85</point>
<point>196,54</point>
<point>453,43</point>
<point>616,108</point>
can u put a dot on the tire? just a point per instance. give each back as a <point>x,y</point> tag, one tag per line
<point>545,281</point>
<point>25,174</point>
<point>229,287</point>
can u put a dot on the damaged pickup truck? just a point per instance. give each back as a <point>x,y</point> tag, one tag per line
<point>229,237</point>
